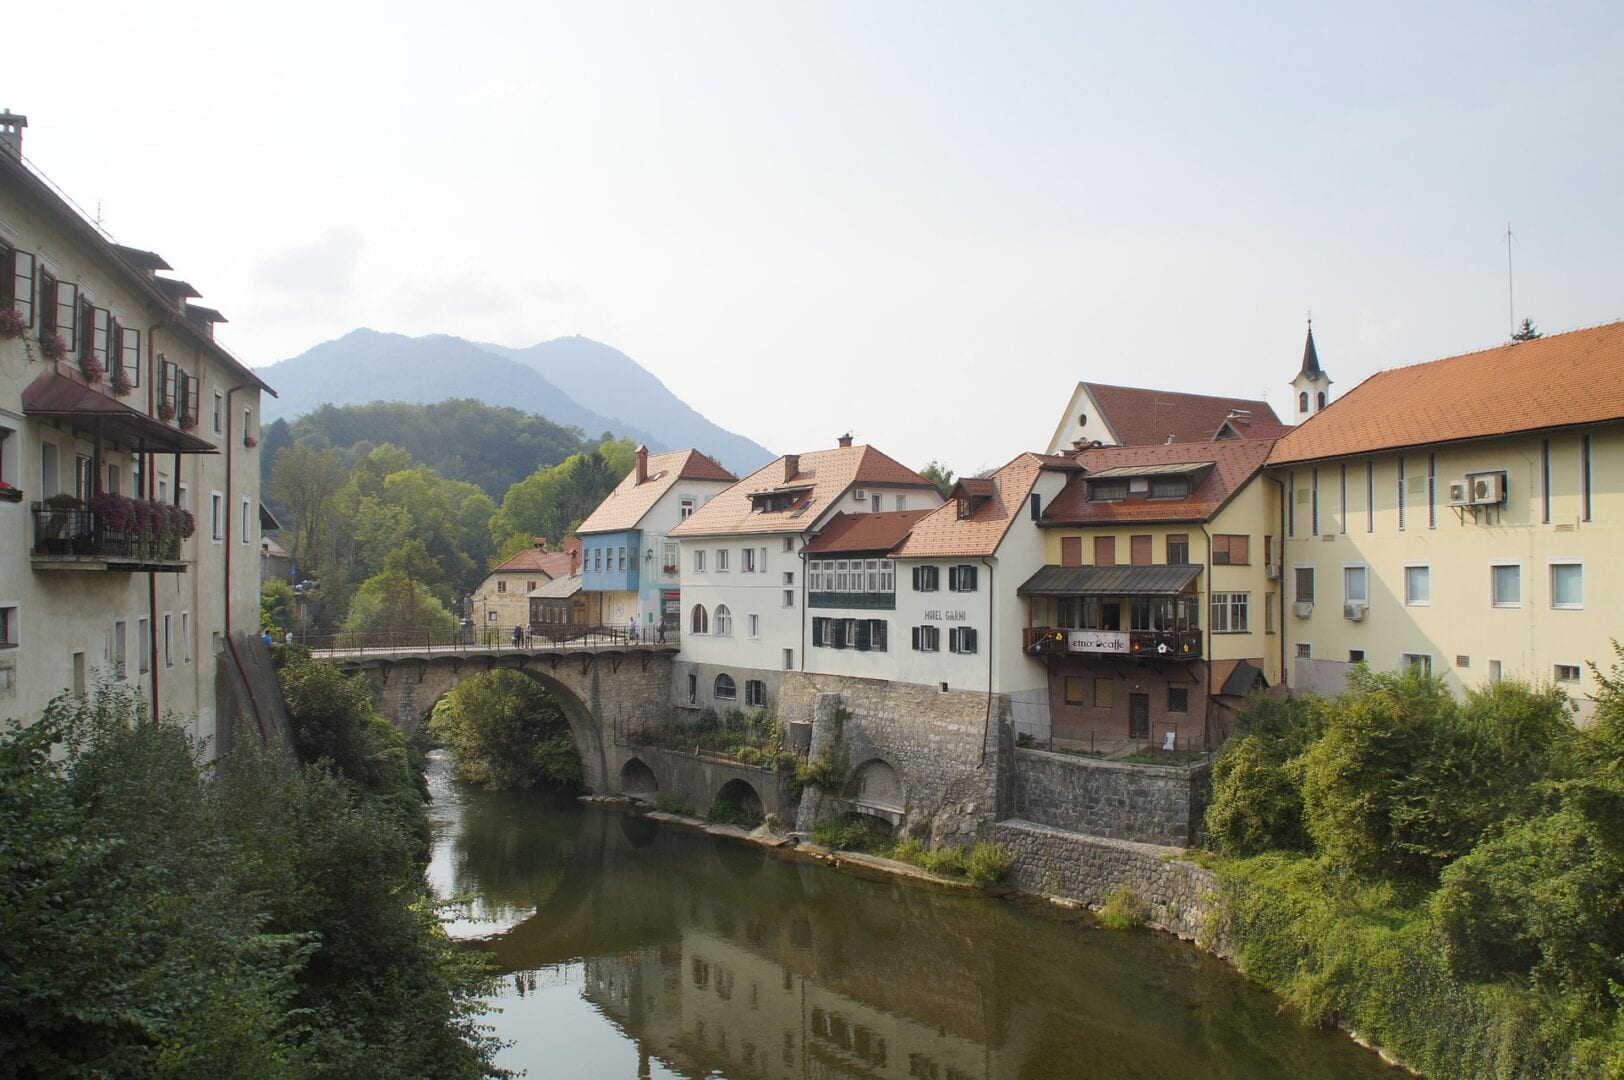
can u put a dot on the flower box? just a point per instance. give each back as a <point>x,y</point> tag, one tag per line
<point>12,323</point>
<point>10,494</point>
<point>53,347</point>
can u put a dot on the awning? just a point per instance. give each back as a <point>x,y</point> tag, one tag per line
<point>1110,581</point>
<point>55,396</point>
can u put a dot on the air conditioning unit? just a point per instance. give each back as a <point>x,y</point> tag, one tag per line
<point>1354,612</point>
<point>1488,489</point>
<point>860,494</point>
<point>1272,571</point>
<point>1460,493</point>
<point>1303,608</point>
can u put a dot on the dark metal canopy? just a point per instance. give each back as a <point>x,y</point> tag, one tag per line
<point>1110,580</point>
<point>55,396</point>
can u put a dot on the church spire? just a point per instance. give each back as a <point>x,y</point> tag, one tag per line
<point>1311,388</point>
<point>1310,367</point>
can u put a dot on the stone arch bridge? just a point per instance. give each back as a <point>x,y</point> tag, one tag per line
<point>609,693</point>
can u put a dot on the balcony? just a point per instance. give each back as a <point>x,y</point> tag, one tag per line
<point>1144,644</point>
<point>128,536</point>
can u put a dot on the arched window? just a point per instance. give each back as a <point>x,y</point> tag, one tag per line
<point>1321,399</point>
<point>725,690</point>
<point>724,621</point>
<point>701,621</point>
<point>1302,401</point>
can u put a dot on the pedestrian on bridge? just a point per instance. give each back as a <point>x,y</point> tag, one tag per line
<point>631,628</point>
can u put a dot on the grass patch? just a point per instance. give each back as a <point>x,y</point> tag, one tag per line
<point>1123,910</point>
<point>674,804</point>
<point>982,864</point>
<point>723,812</point>
<point>987,864</point>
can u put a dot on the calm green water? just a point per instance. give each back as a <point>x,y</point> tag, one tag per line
<point>632,950</point>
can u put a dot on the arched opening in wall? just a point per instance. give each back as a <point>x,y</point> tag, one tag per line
<point>511,730</point>
<point>1302,401</point>
<point>738,803</point>
<point>875,786</point>
<point>699,621</point>
<point>1320,399</point>
<point>637,779</point>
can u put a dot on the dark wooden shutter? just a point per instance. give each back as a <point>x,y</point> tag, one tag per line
<point>863,635</point>
<point>87,319</point>
<point>916,638</point>
<point>968,640</point>
<point>877,635</point>
<point>1139,550</point>
<point>1071,551</point>
<point>817,632</point>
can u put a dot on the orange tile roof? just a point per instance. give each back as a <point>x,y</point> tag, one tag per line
<point>533,560</point>
<point>865,532</point>
<point>823,474</point>
<point>944,533</point>
<point>1143,417</point>
<point>1558,381</point>
<point>625,506</point>
<point>1232,463</point>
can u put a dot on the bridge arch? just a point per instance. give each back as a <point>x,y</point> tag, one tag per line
<point>742,794</point>
<point>636,778</point>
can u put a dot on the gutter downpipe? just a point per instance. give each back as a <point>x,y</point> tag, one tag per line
<point>1206,650</point>
<point>1280,593</point>
<point>149,482</point>
<point>992,637</point>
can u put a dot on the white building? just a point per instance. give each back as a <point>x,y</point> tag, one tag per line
<point>741,584</point>
<point>118,411</point>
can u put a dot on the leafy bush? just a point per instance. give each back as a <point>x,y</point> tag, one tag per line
<point>948,861</point>
<point>674,804</point>
<point>1123,910</point>
<point>853,832</point>
<point>987,864</point>
<point>725,812</point>
<point>505,730</point>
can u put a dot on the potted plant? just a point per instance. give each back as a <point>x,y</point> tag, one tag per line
<point>61,506</point>
<point>12,323</point>
<point>121,383</point>
<point>166,411</point>
<point>53,347</point>
<point>249,441</point>
<point>187,421</point>
<point>8,493</point>
<point>92,368</point>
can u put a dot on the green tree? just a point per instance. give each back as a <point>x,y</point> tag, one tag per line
<point>392,601</point>
<point>940,475</point>
<point>506,731</point>
<point>1257,803</point>
<point>278,608</point>
<point>1527,331</point>
<point>552,502</point>
<point>305,481</point>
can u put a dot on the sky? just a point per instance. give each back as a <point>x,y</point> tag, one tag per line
<point>921,222</point>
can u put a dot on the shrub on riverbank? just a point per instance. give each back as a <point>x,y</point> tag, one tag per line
<point>267,921</point>
<point>1445,878</point>
<point>983,864</point>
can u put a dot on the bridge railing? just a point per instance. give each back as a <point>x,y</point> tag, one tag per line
<point>484,639</point>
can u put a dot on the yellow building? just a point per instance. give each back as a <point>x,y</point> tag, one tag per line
<point>1457,515</point>
<point>502,601</point>
<point>1158,605</point>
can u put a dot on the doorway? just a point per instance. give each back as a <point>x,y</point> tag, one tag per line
<point>1138,716</point>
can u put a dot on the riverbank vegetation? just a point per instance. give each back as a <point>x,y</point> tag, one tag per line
<point>983,864</point>
<point>260,916</point>
<point>505,730</point>
<point>1446,878</point>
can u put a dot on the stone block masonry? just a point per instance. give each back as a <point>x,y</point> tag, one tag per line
<point>1148,804</point>
<point>1181,896</point>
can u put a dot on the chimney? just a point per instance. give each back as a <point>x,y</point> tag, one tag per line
<point>844,441</point>
<point>572,548</point>
<point>642,465</point>
<point>792,465</point>
<point>11,133</point>
<point>539,543</point>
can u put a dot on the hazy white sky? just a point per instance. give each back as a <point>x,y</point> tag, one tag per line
<point>922,222</point>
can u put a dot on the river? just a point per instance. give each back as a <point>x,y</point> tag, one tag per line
<point>630,949</point>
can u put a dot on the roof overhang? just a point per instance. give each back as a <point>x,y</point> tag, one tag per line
<point>55,396</point>
<point>1111,580</point>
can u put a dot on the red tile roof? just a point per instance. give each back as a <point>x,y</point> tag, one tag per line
<point>1141,417</point>
<point>625,506</point>
<point>1230,464</point>
<point>1558,381</point>
<point>823,474</point>
<point>865,532</point>
<point>944,533</point>
<point>533,560</point>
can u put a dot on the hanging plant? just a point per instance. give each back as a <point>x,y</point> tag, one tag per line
<point>12,323</point>
<point>187,421</point>
<point>53,347</point>
<point>114,511</point>
<point>121,383</point>
<point>92,368</point>
<point>188,524</point>
<point>249,441</point>
<point>166,411</point>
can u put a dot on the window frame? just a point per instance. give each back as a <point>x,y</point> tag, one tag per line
<point>1349,569</point>
<point>1232,601</point>
<point>1496,565</point>
<point>721,690</point>
<point>1409,595</point>
<point>1551,567</point>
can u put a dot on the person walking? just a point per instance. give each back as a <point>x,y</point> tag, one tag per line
<point>631,628</point>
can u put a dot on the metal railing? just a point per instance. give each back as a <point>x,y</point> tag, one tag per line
<point>465,639</point>
<point>61,531</point>
<point>1168,644</point>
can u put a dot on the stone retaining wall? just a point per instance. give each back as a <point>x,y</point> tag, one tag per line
<point>1180,895</point>
<point>1148,804</point>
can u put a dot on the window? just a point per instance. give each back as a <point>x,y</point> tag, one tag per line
<point>1104,693</point>
<point>1303,584</point>
<point>1071,551</point>
<point>693,688</point>
<point>1139,550</point>
<point>1232,548</point>
<point>1169,487</point>
<point>622,558</point>
<point>17,282</point>
<point>1567,585</point>
<point>1418,586</point>
<point>1567,673</point>
<point>1416,662</point>
<point>186,637</point>
<point>501,586</point>
<point>1105,551</point>
<point>668,557</point>
<point>9,625</point>
<point>1545,481</point>
<point>685,508</point>
<point>217,516</point>
<point>1302,401</point>
<point>79,674</point>
<point>961,578</point>
<point>721,560</point>
<point>753,625</point>
<point>699,561</point>
<point>530,586</point>
<point>789,541</point>
<point>1229,612</point>
<point>789,598</point>
<point>1107,490</point>
<point>1505,584</point>
<point>747,561</point>
<point>1355,585</point>
<point>1178,699</point>
<point>1305,651</point>
<point>597,561</point>
<point>1462,660</point>
<point>755,693</point>
<point>927,638</point>
<point>699,621</point>
<point>722,625</point>
<point>219,412</point>
<point>926,578</point>
<point>1268,613</point>
<point>1178,549</point>
<point>246,536</point>
<point>491,616</point>
<point>1074,690</point>
<point>169,646</point>
<point>1356,656</point>
<point>725,690</point>
<point>1584,478</point>
<point>962,639</point>
<point>789,659</point>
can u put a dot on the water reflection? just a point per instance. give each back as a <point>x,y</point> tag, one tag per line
<point>634,950</point>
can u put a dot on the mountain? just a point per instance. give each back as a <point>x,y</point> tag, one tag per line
<point>608,381</point>
<point>554,379</point>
